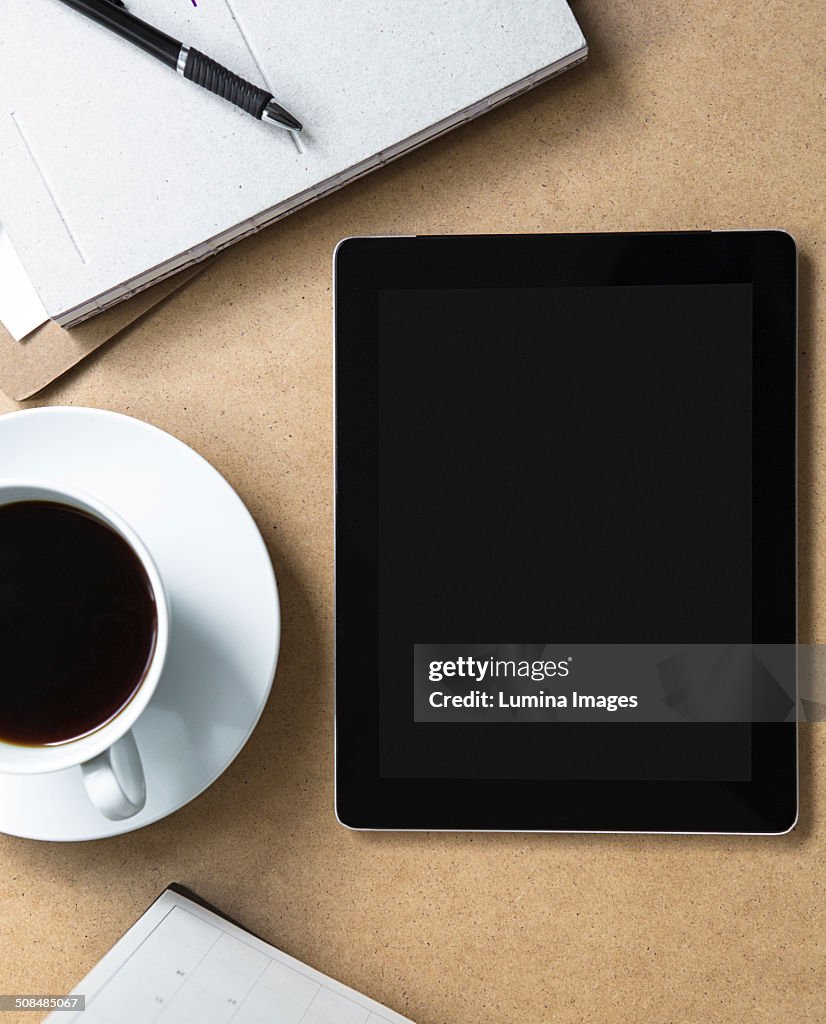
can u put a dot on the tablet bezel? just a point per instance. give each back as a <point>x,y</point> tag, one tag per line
<point>767,804</point>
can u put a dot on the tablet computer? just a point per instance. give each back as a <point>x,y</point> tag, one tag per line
<point>586,442</point>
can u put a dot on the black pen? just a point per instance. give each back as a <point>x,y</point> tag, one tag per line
<point>187,61</point>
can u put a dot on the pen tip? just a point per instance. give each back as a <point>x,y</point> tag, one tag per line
<point>276,114</point>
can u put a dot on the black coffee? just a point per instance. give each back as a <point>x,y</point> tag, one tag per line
<point>77,623</point>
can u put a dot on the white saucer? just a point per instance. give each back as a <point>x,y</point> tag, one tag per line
<point>225,618</point>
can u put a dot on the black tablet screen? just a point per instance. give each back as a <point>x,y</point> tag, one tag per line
<point>569,464</point>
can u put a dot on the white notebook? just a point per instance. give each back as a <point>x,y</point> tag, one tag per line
<point>115,172</point>
<point>182,963</point>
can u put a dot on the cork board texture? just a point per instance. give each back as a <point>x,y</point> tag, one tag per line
<point>701,115</point>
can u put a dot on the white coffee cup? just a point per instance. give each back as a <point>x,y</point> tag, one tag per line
<point>108,757</point>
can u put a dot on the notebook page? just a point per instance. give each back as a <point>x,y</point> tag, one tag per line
<point>115,172</point>
<point>182,964</point>
<point>21,310</point>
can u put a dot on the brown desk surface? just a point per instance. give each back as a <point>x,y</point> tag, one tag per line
<point>687,115</point>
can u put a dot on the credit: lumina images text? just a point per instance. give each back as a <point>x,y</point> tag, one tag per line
<point>484,699</point>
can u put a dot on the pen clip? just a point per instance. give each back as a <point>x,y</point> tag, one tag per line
<point>116,3</point>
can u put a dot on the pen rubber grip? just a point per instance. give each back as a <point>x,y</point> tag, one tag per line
<point>211,75</point>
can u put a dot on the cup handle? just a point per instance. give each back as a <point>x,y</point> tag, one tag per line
<point>115,781</point>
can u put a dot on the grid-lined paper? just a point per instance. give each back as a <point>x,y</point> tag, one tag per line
<point>182,964</point>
